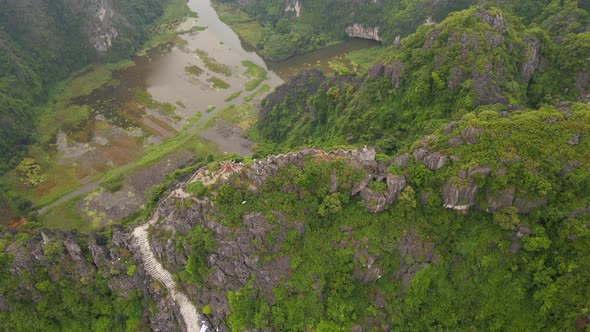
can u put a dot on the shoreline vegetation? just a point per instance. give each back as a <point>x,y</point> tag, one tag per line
<point>22,198</point>
<point>66,181</point>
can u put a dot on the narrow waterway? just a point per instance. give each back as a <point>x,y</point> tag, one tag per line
<point>124,126</point>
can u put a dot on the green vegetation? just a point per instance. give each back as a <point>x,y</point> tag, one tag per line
<point>114,184</point>
<point>434,76</point>
<point>366,57</point>
<point>212,64</point>
<point>218,83</point>
<point>256,74</point>
<point>194,70</point>
<point>145,98</point>
<point>243,24</point>
<point>65,297</point>
<point>470,271</point>
<point>233,96</point>
<point>164,29</point>
<point>196,188</point>
<point>30,43</point>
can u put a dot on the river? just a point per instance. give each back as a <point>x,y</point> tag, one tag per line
<point>125,128</point>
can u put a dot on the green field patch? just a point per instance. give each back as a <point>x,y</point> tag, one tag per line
<point>212,64</point>
<point>218,83</point>
<point>145,98</point>
<point>256,74</point>
<point>193,70</point>
<point>233,96</point>
<point>243,24</point>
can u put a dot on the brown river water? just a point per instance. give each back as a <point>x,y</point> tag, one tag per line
<point>122,130</point>
<point>161,71</point>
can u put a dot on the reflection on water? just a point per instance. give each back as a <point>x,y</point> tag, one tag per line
<point>161,72</point>
<point>319,58</point>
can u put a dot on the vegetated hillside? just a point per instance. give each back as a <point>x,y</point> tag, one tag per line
<point>484,223</point>
<point>42,43</point>
<point>294,26</point>
<point>480,56</point>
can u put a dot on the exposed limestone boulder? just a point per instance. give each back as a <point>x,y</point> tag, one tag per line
<point>533,56</point>
<point>377,202</point>
<point>471,134</point>
<point>574,140</point>
<point>435,161</point>
<point>448,129</point>
<point>359,31</point>
<point>455,78</point>
<point>394,71</point>
<point>368,271</point>
<point>376,70</point>
<point>460,193</point>
<point>402,160</point>
<point>503,199</point>
<point>496,21</point>
<point>415,254</point>
<point>455,142</point>
<point>420,153</point>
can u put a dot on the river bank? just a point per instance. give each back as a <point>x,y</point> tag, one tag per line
<point>194,95</point>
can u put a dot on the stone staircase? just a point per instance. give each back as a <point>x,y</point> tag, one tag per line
<point>155,269</point>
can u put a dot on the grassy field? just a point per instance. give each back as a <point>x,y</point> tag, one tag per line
<point>233,96</point>
<point>65,217</point>
<point>245,26</point>
<point>193,70</point>
<point>218,83</point>
<point>212,64</point>
<point>366,57</point>
<point>256,74</point>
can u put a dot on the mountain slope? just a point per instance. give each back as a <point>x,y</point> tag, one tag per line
<point>475,57</point>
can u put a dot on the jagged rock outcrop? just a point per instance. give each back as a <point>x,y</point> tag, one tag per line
<point>359,31</point>
<point>378,201</point>
<point>460,193</point>
<point>293,6</point>
<point>533,57</point>
<point>81,258</point>
<point>415,254</point>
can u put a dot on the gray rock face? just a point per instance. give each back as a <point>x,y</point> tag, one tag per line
<point>359,31</point>
<point>402,160</point>
<point>376,70</point>
<point>496,21</point>
<point>394,71</point>
<point>448,129</point>
<point>415,254</point>
<point>455,142</point>
<point>460,193</point>
<point>471,134</point>
<point>435,161</point>
<point>82,258</point>
<point>574,140</point>
<point>533,56</point>
<point>504,199</point>
<point>377,202</point>
<point>420,153</point>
